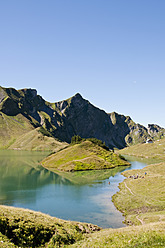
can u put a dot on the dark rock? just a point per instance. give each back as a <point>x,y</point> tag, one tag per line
<point>76,116</point>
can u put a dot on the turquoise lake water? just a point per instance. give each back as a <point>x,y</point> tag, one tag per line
<point>25,183</point>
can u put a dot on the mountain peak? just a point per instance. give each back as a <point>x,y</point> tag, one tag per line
<point>77,99</point>
<point>29,92</point>
<point>73,116</point>
<point>77,95</point>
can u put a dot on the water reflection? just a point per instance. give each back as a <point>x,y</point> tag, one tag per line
<point>80,196</point>
<point>90,176</point>
<point>21,176</point>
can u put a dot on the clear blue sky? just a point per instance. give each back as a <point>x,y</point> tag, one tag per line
<point>110,51</point>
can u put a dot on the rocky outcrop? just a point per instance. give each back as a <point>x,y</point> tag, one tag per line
<point>75,116</point>
<point>156,131</point>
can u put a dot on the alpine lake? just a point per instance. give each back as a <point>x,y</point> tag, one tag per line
<point>79,196</point>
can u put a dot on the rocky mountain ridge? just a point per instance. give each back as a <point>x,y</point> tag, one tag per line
<point>74,116</point>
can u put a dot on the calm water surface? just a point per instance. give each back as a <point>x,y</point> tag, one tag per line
<point>24,183</point>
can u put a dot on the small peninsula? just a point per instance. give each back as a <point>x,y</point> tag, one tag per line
<point>87,154</point>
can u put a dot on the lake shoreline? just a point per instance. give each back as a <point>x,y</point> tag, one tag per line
<point>97,238</point>
<point>141,197</point>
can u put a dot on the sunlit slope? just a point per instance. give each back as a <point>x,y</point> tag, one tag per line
<point>148,236</point>
<point>147,150</point>
<point>12,127</point>
<point>35,140</point>
<point>17,132</point>
<point>142,200</point>
<point>83,156</point>
<point>25,228</point>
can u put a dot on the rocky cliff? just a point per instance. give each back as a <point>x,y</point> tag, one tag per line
<point>74,116</point>
<point>155,131</point>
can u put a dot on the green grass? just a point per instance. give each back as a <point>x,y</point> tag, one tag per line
<point>17,132</point>
<point>142,200</point>
<point>5,242</point>
<point>83,156</point>
<point>25,228</point>
<point>154,150</point>
<point>35,140</point>
<point>12,127</point>
<point>148,236</point>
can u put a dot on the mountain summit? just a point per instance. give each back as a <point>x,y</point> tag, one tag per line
<point>23,110</point>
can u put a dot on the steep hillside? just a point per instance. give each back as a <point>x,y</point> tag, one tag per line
<point>35,140</point>
<point>23,120</point>
<point>26,228</point>
<point>17,132</point>
<point>83,156</point>
<point>80,117</point>
<point>11,127</point>
<point>156,131</point>
<point>127,130</point>
<point>23,110</point>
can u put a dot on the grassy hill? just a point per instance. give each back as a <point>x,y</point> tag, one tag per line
<point>142,200</point>
<point>155,150</point>
<point>36,140</point>
<point>148,236</point>
<point>17,132</point>
<point>26,228</point>
<point>83,156</point>
<point>11,127</point>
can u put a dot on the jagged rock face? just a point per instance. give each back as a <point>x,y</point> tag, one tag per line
<point>14,101</point>
<point>156,131</point>
<point>79,117</point>
<point>75,116</point>
<point>82,118</point>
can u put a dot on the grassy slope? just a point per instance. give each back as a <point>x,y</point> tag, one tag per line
<point>148,236</point>
<point>34,140</point>
<point>142,200</point>
<point>11,127</point>
<point>154,150</point>
<point>83,156</point>
<point>25,228</point>
<point>16,132</point>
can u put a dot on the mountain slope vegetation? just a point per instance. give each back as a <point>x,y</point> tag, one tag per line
<point>35,140</point>
<point>85,155</point>
<point>155,150</point>
<point>26,228</point>
<point>142,198</point>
